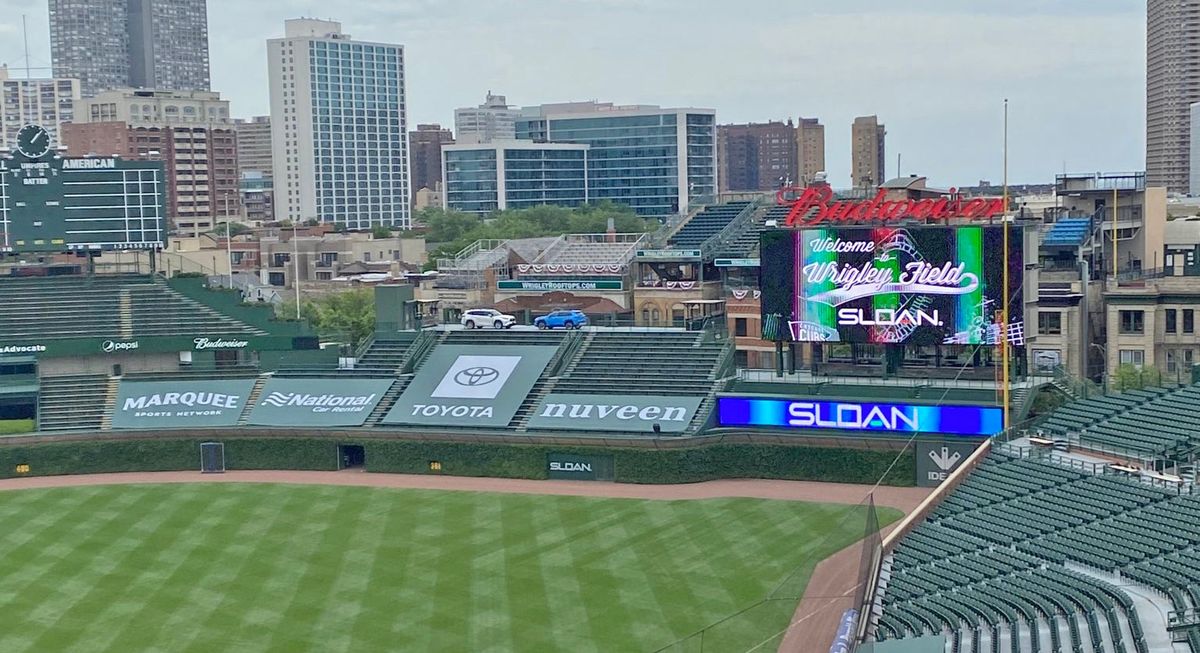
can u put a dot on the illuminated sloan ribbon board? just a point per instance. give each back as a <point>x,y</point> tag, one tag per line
<point>761,412</point>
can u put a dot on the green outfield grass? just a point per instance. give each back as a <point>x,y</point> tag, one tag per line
<point>302,568</point>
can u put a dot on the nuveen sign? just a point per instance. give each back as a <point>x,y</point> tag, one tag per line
<point>626,413</point>
<point>470,385</point>
<point>318,402</point>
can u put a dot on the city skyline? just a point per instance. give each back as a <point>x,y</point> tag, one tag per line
<point>943,113</point>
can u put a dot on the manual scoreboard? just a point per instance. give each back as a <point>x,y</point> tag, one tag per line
<point>53,204</point>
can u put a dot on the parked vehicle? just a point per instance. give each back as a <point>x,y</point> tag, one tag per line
<point>478,318</point>
<point>568,319</point>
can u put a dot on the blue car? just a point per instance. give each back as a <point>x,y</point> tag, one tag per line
<point>571,319</point>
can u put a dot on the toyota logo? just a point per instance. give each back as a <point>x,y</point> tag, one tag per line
<point>476,376</point>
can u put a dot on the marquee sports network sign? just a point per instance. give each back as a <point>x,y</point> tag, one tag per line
<point>809,414</point>
<point>627,413</point>
<point>179,404</point>
<point>318,402</point>
<point>470,385</point>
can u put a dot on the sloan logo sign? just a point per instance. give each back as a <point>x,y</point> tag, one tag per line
<point>326,403</point>
<point>556,466</point>
<point>884,418</point>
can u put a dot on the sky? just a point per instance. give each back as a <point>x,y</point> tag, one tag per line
<point>936,72</point>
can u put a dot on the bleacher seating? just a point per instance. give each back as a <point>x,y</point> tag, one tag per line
<point>591,249</point>
<point>1004,548</point>
<point>745,245</point>
<point>1153,421</point>
<point>662,363</point>
<point>495,338</point>
<point>72,403</point>
<point>706,224</point>
<point>106,307</point>
<point>1069,232</point>
<point>386,354</point>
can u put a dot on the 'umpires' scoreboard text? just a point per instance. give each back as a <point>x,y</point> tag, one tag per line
<point>52,204</point>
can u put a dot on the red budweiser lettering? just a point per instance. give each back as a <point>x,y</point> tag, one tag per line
<point>815,205</point>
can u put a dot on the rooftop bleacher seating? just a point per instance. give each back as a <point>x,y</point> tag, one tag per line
<point>746,243</point>
<point>997,551</point>
<point>706,224</point>
<point>1069,232</point>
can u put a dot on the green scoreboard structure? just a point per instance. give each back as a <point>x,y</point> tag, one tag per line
<point>53,204</point>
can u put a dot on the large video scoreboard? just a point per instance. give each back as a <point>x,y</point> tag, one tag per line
<point>54,204</point>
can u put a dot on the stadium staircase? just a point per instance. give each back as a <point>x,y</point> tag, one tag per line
<point>110,399</point>
<point>72,403</point>
<point>252,399</point>
<point>125,304</point>
<point>387,401</point>
<point>1032,555</point>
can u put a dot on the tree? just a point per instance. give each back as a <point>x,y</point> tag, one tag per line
<point>237,229</point>
<point>348,314</point>
<point>1132,377</point>
<point>381,232</point>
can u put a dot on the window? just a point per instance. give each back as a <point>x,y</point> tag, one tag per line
<point>739,326</point>
<point>1172,366</point>
<point>1171,320</point>
<point>1049,323</point>
<point>1134,321</point>
<point>1132,357</point>
<point>1189,320</point>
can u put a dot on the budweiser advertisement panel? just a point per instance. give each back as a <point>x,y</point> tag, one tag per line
<point>919,285</point>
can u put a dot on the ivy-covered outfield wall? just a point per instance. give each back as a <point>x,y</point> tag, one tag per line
<point>631,465</point>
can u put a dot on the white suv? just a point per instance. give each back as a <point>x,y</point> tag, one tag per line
<point>477,318</point>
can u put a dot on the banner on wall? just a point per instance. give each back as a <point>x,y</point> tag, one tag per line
<point>179,404</point>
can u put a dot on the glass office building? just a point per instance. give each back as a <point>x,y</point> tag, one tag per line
<point>656,161</point>
<point>339,132</point>
<point>482,178</point>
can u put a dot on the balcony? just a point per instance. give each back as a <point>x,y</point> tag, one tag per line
<point>1100,182</point>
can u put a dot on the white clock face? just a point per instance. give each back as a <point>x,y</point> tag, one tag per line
<point>33,141</point>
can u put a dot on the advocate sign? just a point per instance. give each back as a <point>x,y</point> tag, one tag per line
<point>808,414</point>
<point>470,385</point>
<point>625,413</point>
<point>180,404</point>
<point>318,402</point>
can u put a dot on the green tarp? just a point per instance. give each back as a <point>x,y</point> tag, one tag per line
<point>179,404</point>
<point>318,402</point>
<point>470,385</point>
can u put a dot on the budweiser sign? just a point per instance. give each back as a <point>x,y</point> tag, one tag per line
<point>815,205</point>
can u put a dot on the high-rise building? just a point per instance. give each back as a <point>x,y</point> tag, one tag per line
<point>492,120</point>
<point>866,152</point>
<point>1172,86</point>
<point>45,102</point>
<point>810,144</point>
<point>1194,158</point>
<point>656,161</point>
<point>487,177</point>
<point>425,145</point>
<point>255,166</point>
<point>756,156</point>
<point>190,131</point>
<point>338,127</point>
<point>110,44</point>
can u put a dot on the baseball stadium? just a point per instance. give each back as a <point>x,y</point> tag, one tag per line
<point>815,431</point>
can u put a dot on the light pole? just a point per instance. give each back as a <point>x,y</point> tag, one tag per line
<point>229,239</point>
<point>296,264</point>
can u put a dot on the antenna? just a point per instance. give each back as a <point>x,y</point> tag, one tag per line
<point>25,35</point>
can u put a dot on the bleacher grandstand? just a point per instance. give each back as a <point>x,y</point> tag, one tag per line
<point>1047,554</point>
<point>707,223</point>
<point>591,250</point>
<point>1147,422</point>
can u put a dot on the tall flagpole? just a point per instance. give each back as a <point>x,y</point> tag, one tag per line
<point>1004,309</point>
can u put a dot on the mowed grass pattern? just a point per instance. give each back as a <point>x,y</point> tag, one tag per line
<point>249,567</point>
